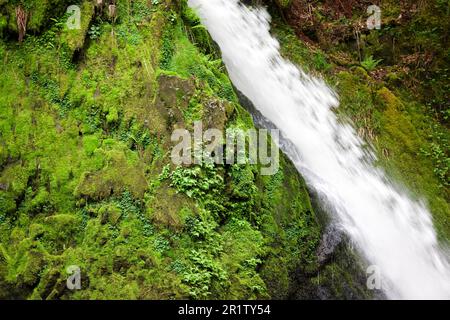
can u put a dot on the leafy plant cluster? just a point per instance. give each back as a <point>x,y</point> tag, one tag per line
<point>52,92</point>
<point>370,64</point>
<point>197,182</point>
<point>84,183</point>
<point>438,152</point>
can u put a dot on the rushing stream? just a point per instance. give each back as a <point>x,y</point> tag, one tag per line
<point>390,230</point>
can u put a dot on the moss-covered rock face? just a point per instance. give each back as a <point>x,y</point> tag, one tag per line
<point>86,179</point>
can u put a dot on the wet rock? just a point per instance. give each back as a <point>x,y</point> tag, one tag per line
<point>173,97</point>
<point>215,115</point>
<point>331,239</point>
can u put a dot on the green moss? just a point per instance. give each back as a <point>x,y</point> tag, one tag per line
<point>403,141</point>
<point>402,130</point>
<point>90,144</point>
<point>283,3</point>
<point>86,177</point>
<point>120,173</point>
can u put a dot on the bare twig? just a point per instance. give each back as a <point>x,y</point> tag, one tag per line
<point>22,20</point>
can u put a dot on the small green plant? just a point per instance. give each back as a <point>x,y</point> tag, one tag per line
<point>370,63</point>
<point>172,17</point>
<point>441,162</point>
<point>204,274</point>
<point>140,11</point>
<point>94,32</point>
<point>167,49</point>
<point>127,204</point>
<point>196,182</point>
<point>320,62</point>
<point>161,244</point>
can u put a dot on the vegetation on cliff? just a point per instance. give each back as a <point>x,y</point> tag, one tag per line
<point>86,177</point>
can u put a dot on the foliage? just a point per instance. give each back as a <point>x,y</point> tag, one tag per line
<point>196,182</point>
<point>370,63</point>
<point>94,32</point>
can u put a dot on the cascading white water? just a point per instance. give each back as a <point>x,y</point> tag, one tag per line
<point>391,231</point>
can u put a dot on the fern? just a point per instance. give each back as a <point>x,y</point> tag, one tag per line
<point>370,63</point>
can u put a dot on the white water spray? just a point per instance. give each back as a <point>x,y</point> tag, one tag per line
<point>390,230</point>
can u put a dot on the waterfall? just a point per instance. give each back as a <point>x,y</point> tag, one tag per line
<point>388,228</point>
